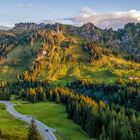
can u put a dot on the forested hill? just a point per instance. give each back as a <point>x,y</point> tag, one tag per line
<point>63,53</point>
<point>126,39</point>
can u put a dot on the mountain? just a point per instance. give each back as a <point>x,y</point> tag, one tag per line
<point>126,39</point>
<point>4,28</point>
<point>29,26</point>
<point>62,53</point>
<point>93,74</point>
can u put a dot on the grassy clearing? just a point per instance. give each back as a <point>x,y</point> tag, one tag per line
<point>54,115</point>
<point>12,129</point>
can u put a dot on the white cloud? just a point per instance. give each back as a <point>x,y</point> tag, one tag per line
<point>49,21</point>
<point>106,20</point>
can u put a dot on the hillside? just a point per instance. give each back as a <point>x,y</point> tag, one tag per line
<point>58,56</point>
<point>125,39</point>
<point>91,74</point>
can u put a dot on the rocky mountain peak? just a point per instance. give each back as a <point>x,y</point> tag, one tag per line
<point>89,26</point>
<point>28,26</point>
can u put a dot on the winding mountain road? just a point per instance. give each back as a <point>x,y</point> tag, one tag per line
<point>45,131</point>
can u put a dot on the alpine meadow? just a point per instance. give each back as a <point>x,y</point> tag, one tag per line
<point>69,70</point>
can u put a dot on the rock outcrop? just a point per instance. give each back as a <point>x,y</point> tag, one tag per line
<point>126,39</point>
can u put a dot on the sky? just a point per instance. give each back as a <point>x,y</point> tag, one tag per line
<point>103,13</point>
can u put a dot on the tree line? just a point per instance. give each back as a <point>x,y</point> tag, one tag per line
<point>97,118</point>
<point>121,93</point>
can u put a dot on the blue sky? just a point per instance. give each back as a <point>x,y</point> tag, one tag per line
<point>14,11</point>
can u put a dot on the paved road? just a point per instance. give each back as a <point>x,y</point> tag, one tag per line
<point>45,131</point>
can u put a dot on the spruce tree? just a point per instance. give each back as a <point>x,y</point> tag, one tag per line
<point>1,135</point>
<point>33,133</point>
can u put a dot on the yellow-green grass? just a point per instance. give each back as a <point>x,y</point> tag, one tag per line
<point>103,70</point>
<point>107,69</point>
<point>55,116</point>
<point>57,69</point>
<point>18,61</point>
<point>12,129</point>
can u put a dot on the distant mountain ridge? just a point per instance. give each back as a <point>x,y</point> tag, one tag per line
<point>28,26</point>
<point>126,39</point>
<point>4,28</point>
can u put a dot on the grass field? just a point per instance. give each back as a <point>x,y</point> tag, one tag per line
<point>12,129</point>
<point>54,115</point>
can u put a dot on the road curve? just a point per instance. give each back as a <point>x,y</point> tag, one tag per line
<point>45,131</point>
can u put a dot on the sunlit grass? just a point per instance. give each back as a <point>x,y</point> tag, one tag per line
<point>54,115</point>
<point>12,129</point>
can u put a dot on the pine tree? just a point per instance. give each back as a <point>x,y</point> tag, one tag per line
<point>33,133</point>
<point>103,133</point>
<point>1,135</point>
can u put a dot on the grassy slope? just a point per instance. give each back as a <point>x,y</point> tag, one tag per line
<point>107,69</point>
<point>18,61</point>
<point>57,69</point>
<point>11,128</point>
<point>54,115</point>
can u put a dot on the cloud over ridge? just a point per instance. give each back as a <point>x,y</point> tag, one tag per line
<point>113,20</point>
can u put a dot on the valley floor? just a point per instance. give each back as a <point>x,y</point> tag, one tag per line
<point>54,115</point>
